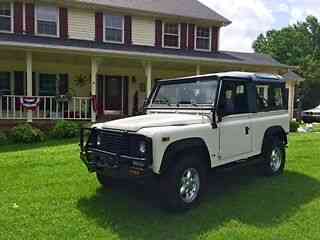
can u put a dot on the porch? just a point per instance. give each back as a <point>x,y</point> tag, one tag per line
<point>37,85</point>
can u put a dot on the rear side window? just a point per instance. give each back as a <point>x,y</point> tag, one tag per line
<point>270,97</point>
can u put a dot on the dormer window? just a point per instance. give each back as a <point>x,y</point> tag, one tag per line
<point>6,19</point>
<point>47,18</point>
<point>114,28</point>
<point>171,35</point>
<point>203,38</point>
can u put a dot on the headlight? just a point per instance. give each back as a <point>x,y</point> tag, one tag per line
<point>98,140</point>
<point>142,147</point>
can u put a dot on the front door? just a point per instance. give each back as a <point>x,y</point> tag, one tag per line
<point>113,94</point>
<point>235,127</point>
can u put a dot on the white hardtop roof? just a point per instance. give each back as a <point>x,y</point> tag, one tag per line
<point>245,75</point>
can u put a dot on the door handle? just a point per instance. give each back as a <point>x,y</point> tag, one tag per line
<point>247,130</point>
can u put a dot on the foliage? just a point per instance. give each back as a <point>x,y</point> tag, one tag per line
<point>25,133</point>
<point>3,138</point>
<point>65,129</point>
<point>294,125</point>
<point>297,45</point>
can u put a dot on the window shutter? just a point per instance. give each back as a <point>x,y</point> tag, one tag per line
<point>63,84</point>
<point>125,95</point>
<point>183,39</point>
<point>34,84</point>
<point>18,15</point>
<point>127,30</point>
<point>29,18</point>
<point>63,19</point>
<point>18,83</point>
<point>99,26</point>
<point>100,94</point>
<point>191,37</point>
<point>215,39</point>
<point>158,33</point>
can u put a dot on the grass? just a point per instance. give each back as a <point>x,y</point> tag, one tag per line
<point>46,193</point>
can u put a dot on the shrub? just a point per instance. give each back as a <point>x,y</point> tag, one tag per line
<point>3,138</point>
<point>25,133</point>
<point>65,129</point>
<point>294,125</point>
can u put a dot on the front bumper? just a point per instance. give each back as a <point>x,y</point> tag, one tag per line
<point>114,165</point>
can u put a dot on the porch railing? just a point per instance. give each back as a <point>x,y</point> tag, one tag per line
<point>48,108</point>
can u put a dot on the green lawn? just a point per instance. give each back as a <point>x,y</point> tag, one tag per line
<point>46,193</point>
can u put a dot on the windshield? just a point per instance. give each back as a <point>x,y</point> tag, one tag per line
<point>200,93</point>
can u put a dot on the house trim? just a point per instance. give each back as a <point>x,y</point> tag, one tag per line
<point>12,20</point>
<point>36,22</point>
<point>104,28</point>
<point>196,36</point>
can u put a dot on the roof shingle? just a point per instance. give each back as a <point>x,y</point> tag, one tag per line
<point>183,8</point>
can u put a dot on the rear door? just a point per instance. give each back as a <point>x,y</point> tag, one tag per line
<point>235,133</point>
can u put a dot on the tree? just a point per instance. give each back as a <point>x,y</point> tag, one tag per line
<point>297,45</point>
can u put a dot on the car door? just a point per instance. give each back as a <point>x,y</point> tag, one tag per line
<point>235,136</point>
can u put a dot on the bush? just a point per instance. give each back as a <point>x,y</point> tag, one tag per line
<point>294,125</point>
<point>25,133</point>
<point>3,138</point>
<point>65,129</point>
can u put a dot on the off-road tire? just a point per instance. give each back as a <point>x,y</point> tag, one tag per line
<point>273,148</point>
<point>171,181</point>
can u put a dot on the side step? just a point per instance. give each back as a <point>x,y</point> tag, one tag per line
<point>239,164</point>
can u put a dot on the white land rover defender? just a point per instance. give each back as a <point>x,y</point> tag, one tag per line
<point>191,125</point>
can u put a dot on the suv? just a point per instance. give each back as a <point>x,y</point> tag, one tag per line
<point>191,125</point>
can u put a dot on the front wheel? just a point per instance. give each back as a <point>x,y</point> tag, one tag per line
<point>274,157</point>
<point>184,183</point>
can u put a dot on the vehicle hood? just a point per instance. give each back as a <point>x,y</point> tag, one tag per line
<point>153,120</point>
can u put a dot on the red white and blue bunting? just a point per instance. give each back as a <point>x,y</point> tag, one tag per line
<point>30,103</point>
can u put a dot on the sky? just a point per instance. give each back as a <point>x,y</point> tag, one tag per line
<point>252,17</point>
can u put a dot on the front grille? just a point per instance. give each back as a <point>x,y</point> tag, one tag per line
<point>114,142</point>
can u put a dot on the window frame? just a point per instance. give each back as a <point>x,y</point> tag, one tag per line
<point>11,18</point>
<point>179,35</point>
<point>105,28</point>
<point>36,22</point>
<point>235,83</point>
<point>196,39</point>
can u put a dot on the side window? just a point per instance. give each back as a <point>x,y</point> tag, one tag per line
<point>270,97</point>
<point>234,98</point>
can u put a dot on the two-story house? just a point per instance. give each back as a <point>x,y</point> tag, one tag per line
<point>98,59</point>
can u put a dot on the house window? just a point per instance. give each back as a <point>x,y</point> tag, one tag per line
<point>114,26</point>
<point>47,84</point>
<point>5,83</point>
<point>203,38</point>
<point>47,20</point>
<point>171,35</point>
<point>6,17</point>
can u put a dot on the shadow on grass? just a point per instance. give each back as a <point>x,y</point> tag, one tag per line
<point>11,147</point>
<point>239,195</point>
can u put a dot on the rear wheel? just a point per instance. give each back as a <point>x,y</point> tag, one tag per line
<point>184,183</point>
<point>274,157</point>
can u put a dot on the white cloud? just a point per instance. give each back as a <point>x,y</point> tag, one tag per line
<point>252,17</point>
<point>249,19</point>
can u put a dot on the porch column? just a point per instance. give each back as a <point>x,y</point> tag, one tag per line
<point>29,82</point>
<point>198,70</point>
<point>94,72</point>
<point>291,85</point>
<point>148,72</point>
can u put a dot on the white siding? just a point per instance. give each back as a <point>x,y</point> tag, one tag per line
<point>143,31</point>
<point>81,24</point>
